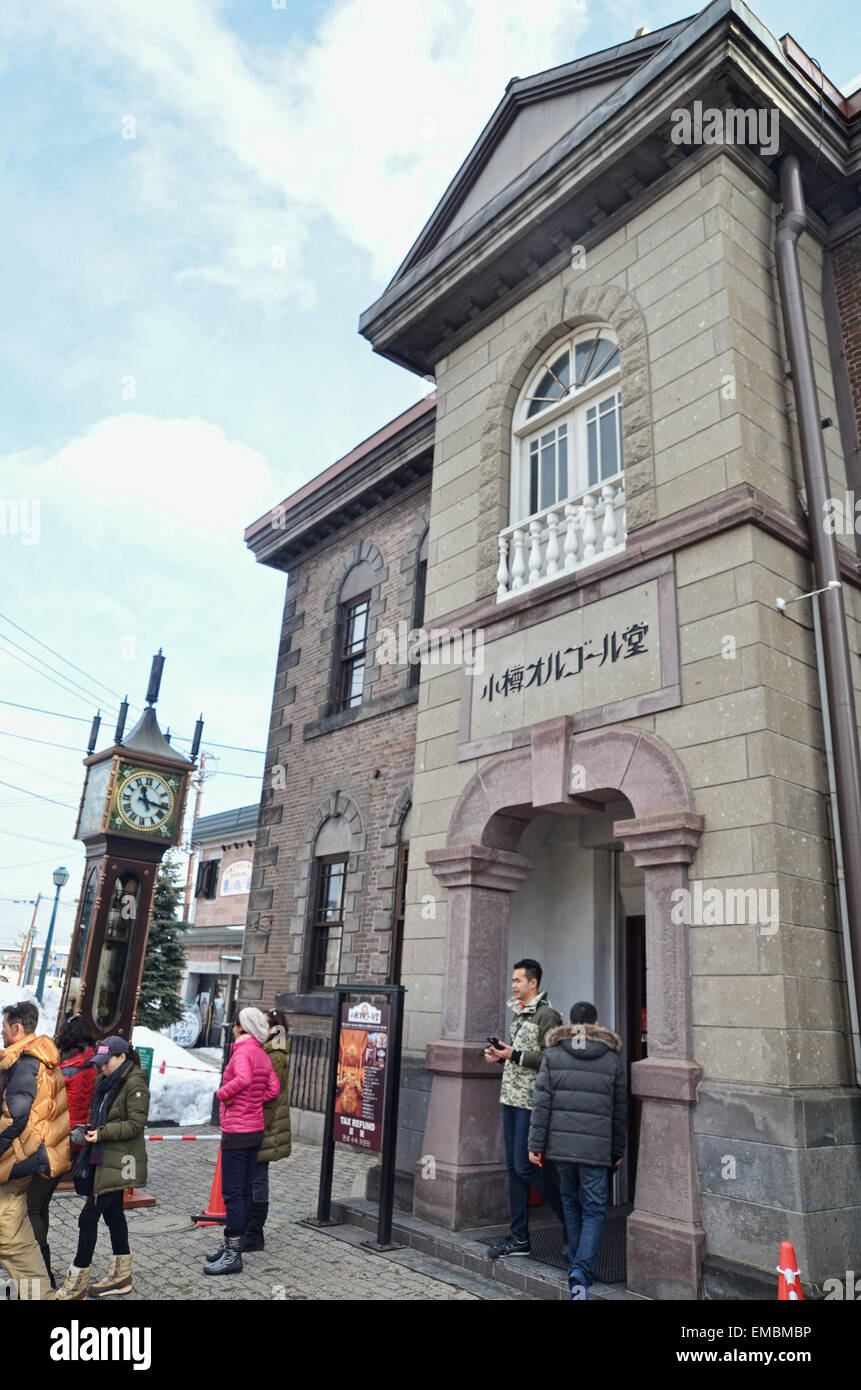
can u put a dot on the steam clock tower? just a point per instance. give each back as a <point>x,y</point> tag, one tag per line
<point>131,813</point>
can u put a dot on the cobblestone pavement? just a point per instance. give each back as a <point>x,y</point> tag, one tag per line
<point>298,1262</point>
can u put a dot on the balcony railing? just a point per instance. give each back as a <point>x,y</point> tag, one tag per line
<point>562,539</point>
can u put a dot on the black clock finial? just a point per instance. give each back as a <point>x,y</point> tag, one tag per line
<point>198,734</point>
<point>121,720</point>
<point>94,731</point>
<point>155,678</point>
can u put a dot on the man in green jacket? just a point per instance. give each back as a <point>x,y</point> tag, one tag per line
<point>534,1017</point>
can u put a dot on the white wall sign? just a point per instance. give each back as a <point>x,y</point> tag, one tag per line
<point>602,661</point>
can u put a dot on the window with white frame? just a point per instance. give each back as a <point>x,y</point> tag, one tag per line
<point>568,424</point>
<point>567,466</point>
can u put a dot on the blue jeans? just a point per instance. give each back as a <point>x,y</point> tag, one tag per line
<point>584,1198</point>
<point>260,1183</point>
<point>521,1173</point>
<point>237,1178</point>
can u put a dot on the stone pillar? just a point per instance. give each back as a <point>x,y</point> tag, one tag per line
<point>666,1241</point>
<point>463,1133</point>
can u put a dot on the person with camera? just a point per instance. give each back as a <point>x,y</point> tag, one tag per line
<point>113,1157</point>
<point>534,1017</point>
<point>34,1139</point>
<point>75,1045</point>
<point>580,1122</point>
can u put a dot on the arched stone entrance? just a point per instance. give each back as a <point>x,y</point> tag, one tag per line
<point>480,868</point>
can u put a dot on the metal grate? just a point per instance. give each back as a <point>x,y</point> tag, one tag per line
<point>309,1061</point>
<point>548,1246</point>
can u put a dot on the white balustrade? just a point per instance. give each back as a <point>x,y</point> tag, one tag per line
<point>563,539</point>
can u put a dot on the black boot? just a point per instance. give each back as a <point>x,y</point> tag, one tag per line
<point>252,1236</point>
<point>46,1256</point>
<point>231,1261</point>
<point>217,1254</point>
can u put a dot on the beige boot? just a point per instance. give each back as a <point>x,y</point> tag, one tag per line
<point>74,1286</point>
<point>117,1280</point>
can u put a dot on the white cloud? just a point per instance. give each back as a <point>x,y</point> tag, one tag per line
<point>240,149</point>
<point>171,473</point>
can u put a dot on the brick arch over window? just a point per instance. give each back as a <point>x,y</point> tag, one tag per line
<point>563,314</point>
<point>337,804</point>
<point>369,556</point>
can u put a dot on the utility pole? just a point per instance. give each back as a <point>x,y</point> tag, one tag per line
<point>197,801</point>
<point>25,949</point>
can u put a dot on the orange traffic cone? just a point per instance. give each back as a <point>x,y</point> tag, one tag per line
<point>789,1284</point>
<point>216,1212</point>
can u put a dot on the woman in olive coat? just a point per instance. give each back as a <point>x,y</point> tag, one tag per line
<point>276,1138</point>
<point>113,1159</point>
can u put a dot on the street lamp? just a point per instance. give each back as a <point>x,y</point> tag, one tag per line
<point>61,878</point>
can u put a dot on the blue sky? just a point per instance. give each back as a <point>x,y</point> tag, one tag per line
<point>200,199</point>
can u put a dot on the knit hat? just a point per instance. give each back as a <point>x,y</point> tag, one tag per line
<point>255,1022</point>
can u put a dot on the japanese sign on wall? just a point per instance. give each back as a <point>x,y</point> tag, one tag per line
<point>360,1084</point>
<point>592,656</point>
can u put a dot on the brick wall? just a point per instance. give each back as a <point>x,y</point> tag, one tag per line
<point>357,765</point>
<point>846,260</point>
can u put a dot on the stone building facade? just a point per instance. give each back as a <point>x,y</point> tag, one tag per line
<point>628,790</point>
<point>632,783</point>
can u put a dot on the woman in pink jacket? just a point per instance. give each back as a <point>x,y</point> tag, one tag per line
<point>248,1082</point>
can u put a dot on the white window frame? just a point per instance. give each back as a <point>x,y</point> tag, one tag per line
<point>571,410</point>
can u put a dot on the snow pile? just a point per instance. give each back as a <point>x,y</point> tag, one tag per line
<point>185,1097</point>
<point>16,994</point>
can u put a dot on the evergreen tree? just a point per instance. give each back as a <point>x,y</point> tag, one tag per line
<point>160,1003</point>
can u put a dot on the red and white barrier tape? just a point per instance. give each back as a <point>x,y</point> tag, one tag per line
<point>170,1065</point>
<point>184,1138</point>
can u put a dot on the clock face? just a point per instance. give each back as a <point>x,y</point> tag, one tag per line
<point>145,800</point>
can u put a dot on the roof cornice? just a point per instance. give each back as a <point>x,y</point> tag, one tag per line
<point>726,44</point>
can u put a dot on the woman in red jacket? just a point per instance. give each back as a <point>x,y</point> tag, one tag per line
<point>75,1046</point>
<point>248,1082</point>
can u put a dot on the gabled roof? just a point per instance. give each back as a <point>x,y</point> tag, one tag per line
<point>592,78</point>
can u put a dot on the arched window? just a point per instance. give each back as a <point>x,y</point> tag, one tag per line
<point>567,466</point>
<point>354,602</point>
<point>331,855</point>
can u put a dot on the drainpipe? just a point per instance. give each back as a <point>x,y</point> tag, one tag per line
<point>826,566</point>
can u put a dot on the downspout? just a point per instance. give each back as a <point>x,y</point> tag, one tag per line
<point>826,565</point>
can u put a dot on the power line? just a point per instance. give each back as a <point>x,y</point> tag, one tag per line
<point>34,709</point>
<point>37,839</point>
<point>69,747</point>
<point>28,864</point>
<point>89,700</point>
<point>29,768</point>
<point>59,655</point>
<point>38,796</point>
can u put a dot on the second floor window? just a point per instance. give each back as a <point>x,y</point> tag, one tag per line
<point>354,643</point>
<point>207,878</point>
<point>568,435</point>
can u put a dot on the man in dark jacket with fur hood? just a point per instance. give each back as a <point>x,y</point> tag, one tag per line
<point>579,1122</point>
